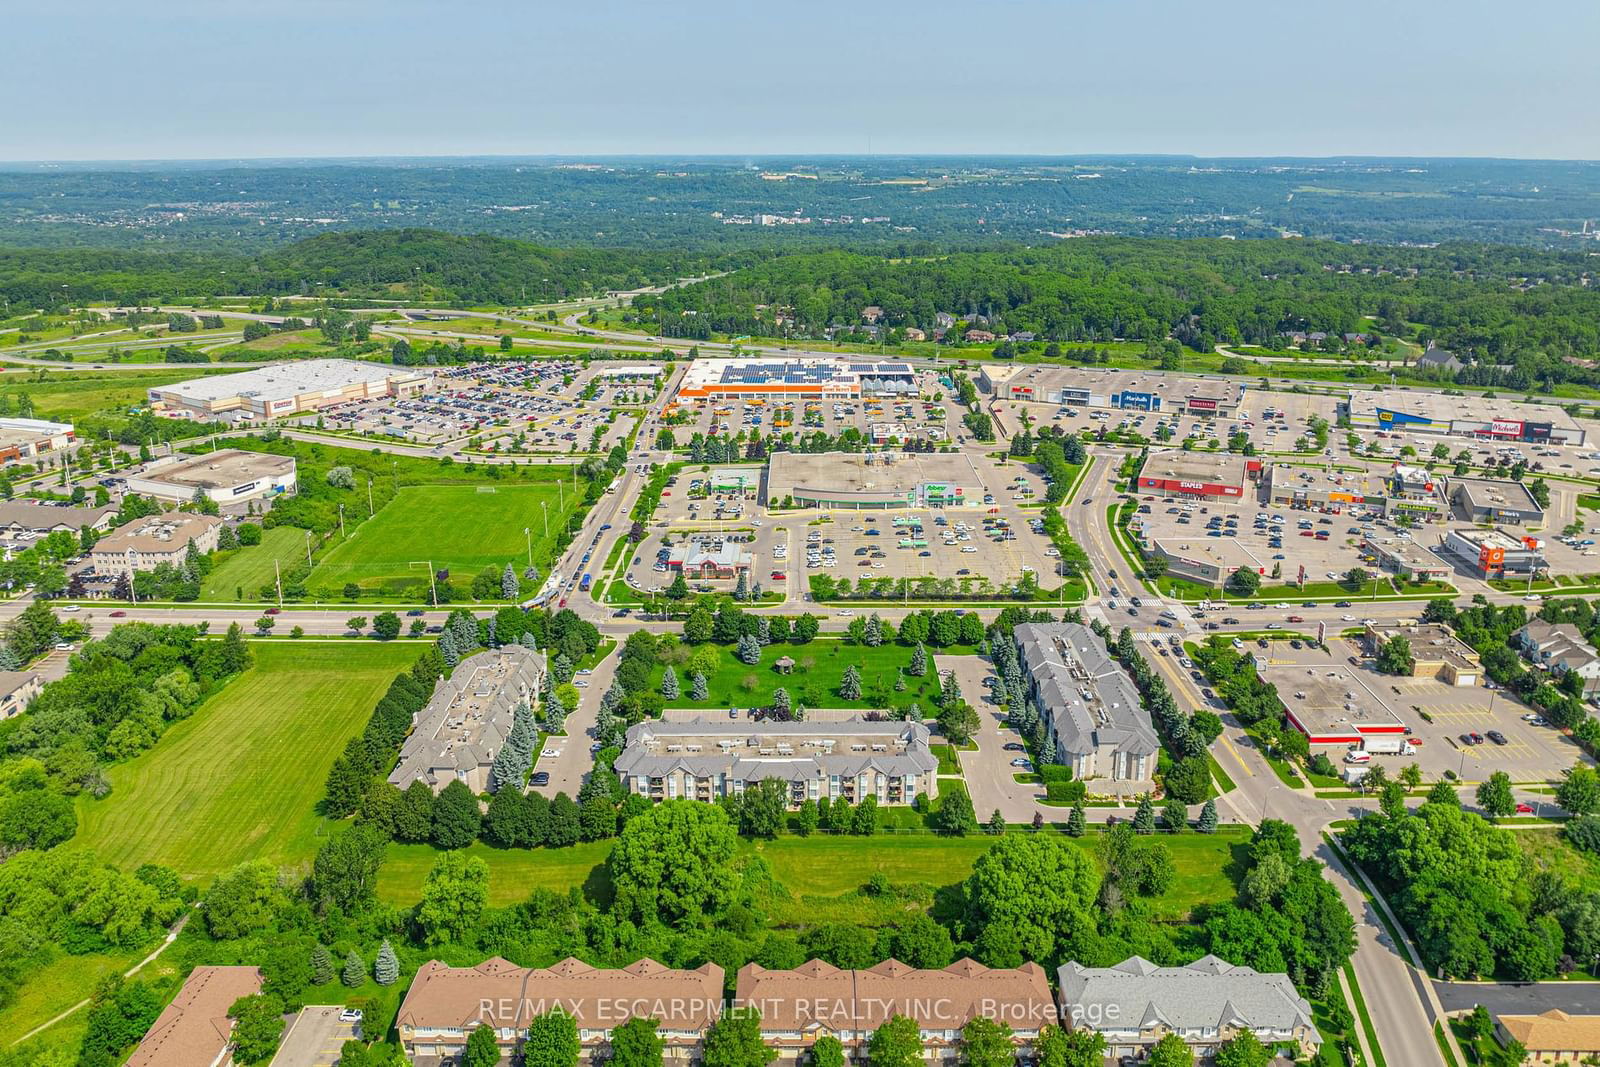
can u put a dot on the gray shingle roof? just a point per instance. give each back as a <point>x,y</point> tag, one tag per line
<point>752,752</point>
<point>469,716</point>
<point>1209,993</point>
<point>1090,699</point>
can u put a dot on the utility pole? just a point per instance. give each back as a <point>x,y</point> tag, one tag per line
<point>308,548</point>
<point>433,587</point>
<point>370,511</point>
<point>341,521</point>
<point>528,533</point>
<point>277,575</point>
<point>544,509</point>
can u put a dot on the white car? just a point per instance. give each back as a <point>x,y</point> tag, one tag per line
<point>1347,618</point>
<point>845,614</point>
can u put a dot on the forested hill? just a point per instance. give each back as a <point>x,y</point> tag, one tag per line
<point>422,266</point>
<point>1491,301</point>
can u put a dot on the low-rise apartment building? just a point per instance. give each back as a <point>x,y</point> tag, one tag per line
<point>1094,722</point>
<point>817,999</point>
<point>1552,1037</point>
<point>17,688</point>
<point>1561,648</point>
<point>445,1004</point>
<point>459,732</point>
<point>27,517</point>
<point>144,544</point>
<point>195,1030</point>
<point>1136,1003</point>
<point>707,758</point>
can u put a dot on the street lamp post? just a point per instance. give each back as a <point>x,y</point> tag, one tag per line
<point>528,533</point>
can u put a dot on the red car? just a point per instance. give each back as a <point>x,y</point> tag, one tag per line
<point>1524,809</point>
<point>273,611</point>
<point>779,576</point>
<point>1297,618</point>
<point>118,614</point>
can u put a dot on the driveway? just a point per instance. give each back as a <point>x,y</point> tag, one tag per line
<point>314,1038</point>
<point>566,759</point>
<point>987,768</point>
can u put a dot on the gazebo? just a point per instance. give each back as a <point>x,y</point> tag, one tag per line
<point>783,665</point>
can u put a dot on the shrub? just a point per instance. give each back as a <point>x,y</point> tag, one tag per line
<point>1054,772</point>
<point>1065,792</point>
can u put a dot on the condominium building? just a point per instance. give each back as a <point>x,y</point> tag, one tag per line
<point>1094,722</point>
<point>194,1030</point>
<point>460,731</point>
<point>144,544</point>
<point>816,1000</point>
<point>1135,1004</point>
<point>445,1004</point>
<point>707,758</point>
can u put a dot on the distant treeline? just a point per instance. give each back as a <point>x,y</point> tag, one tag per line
<point>1491,302</point>
<point>406,265</point>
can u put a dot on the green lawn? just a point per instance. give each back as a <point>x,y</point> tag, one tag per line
<point>240,778</point>
<point>1548,850</point>
<point>818,669</point>
<point>459,528</point>
<point>251,568</point>
<point>823,866</point>
<point>73,394</point>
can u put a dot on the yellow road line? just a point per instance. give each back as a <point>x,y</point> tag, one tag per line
<point>1237,758</point>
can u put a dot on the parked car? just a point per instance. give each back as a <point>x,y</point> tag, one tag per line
<point>1497,737</point>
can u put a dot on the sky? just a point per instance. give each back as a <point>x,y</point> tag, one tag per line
<point>224,79</point>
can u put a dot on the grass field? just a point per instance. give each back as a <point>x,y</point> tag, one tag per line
<point>825,867</point>
<point>818,668</point>
<point>240,778</point>
<point>251,568</point>
<point>75,394</point>
<point>460,528</point>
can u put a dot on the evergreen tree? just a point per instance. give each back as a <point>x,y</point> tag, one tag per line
<point>780,703</point>
<point>386,971</point>
<point>919,661</point>
<point>355,970</point>
<point>873,635</point>
<point>698,687</point>
<point>763,631</point>
<point>1175,813</point>
<point>321,966</point>
<point>447,649</point>
<point>850,684</point>
<point>741,591</point>
<point>509,586</point>
<point>669,683</point>
<point>1208,818</point>
<point>1144,816</point>
<point>528,641</point>
<point>1077,821</point>
<point>749,651</point>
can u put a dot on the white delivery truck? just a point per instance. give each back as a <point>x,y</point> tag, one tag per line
<point>1388,745</point>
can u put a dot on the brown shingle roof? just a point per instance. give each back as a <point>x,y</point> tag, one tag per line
<point>819,995</point>
<point>502,994</point>
<point>1554,1031</point>
<point>195,1028</point>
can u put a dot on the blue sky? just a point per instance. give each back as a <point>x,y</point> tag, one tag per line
<point>91,79</point>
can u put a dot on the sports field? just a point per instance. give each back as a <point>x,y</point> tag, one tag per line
<point>251,568</point>
<point>459,528</point>
<point>240,778</point>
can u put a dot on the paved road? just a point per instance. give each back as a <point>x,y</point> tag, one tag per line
<point>1575,998</point>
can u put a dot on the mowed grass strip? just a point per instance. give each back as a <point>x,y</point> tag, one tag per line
<point>459,528</point>
<point>818,668</point>
<point>240,778</point>
<point>251,568</point>
<point>824,866</point>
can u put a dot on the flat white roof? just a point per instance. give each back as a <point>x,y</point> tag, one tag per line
<point>284,380</point>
